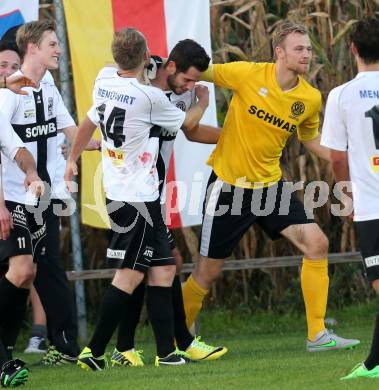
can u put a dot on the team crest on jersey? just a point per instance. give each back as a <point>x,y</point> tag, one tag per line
<point>50,106</point>
<point>297,108</point>
<point>181,105</point>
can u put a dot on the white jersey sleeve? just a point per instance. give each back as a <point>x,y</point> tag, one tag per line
<point>93,116</point>
<point>64,118</point>
<point>8,103</point>
<point>10,142</point>
<point>334,131</point>
<point>165,114</point>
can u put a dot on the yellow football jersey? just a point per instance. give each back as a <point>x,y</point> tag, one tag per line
<point>260,119</point>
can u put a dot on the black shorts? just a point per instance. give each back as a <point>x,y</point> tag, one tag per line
<point>229,211</point>
<point>138,237</point>
<point>368,234</point>
<point>28,234</point>
<point>171,240</point>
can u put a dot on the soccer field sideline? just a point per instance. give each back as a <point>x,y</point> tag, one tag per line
<point>259,358</point>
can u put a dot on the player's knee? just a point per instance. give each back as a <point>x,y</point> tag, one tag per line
<point>317,246</point>
<point>127,280</point>
<point>161,276</point>
<point>23,277</point>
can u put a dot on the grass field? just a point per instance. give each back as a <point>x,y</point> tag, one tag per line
<point>265,352</point>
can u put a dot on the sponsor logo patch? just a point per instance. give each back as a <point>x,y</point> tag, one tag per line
<point>372,261</point>
<point>115,254</point>
<point>375,164</point>
<point>116,156</point>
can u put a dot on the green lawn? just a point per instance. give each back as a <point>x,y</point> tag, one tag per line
<point>265,352</point>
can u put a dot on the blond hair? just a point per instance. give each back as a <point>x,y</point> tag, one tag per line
<point>128,48</point>
<point>32,32</point>
<point>283,30</point>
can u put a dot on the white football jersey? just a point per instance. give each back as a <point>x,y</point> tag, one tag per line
<point>130,116</point>
<point>10,142</point>
<point>36,118</point>
<point>167,139</point>
<point>352,124</point>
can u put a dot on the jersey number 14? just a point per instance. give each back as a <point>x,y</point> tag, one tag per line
<point>115,118</point>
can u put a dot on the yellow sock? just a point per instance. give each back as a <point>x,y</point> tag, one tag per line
<point>315,284</point>
<point>193,296</point>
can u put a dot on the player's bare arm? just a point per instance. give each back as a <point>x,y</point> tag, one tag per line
<point>83,136</point>
<point>70,133</point>
<point>194,114</point>
<point>15,83</point>
<point>340,166</point>
<point>317,149</point>
<point>26,163</point>
<point>6,221</point>
<point>203,134</point>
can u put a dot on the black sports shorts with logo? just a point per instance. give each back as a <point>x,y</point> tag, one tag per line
<point>368,233</point>
<point>229,211</point>
<point>28,234</point>
<point>139,236</point>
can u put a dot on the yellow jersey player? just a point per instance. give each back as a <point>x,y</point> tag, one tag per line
<point>271,101</point>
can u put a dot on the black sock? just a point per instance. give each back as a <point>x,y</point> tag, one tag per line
<point>159,308</point>
<point>373,357</point>
<point>13,304</point>
<point>3,355</point>
<point>115,302</point>
<point>182,335</point>
<point>130,319</point>
<point>15,318</point>
<point>7,292</point>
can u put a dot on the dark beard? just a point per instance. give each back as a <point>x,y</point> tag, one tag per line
<point>171,84</point>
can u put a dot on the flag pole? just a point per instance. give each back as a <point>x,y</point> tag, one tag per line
<point>66,93</point>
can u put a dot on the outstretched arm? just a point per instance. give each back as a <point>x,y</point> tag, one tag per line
<point>6,221</point>
<point>316,148</point>
<point>203,134</point>
<point>25,161</point>
<point>195,113</point>
<point>15,83</point>
<point>83,135</point>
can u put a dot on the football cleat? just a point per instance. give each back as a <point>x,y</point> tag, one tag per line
<point>176,358</point>
<point>198,350</point>
<point>88,362</point>
<point>55,358</point>
<point>360,371</point>
<point>131,358</point>
<point>13,373</point>
<point>36,345</point>
<point>327,340</point>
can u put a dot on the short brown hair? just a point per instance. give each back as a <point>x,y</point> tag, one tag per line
<point>32,32</point>
<point>283,30</point>
<point>128,48</point>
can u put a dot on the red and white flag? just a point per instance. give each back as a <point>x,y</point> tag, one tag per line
<point>163,22</point>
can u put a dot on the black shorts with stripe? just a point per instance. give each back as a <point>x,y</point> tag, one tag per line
<point>368,234</point>
<point>28,234</point>
<point>229,211</point>
<point>139,236</point>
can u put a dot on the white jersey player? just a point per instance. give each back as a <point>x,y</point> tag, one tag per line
<point>351,131</point>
